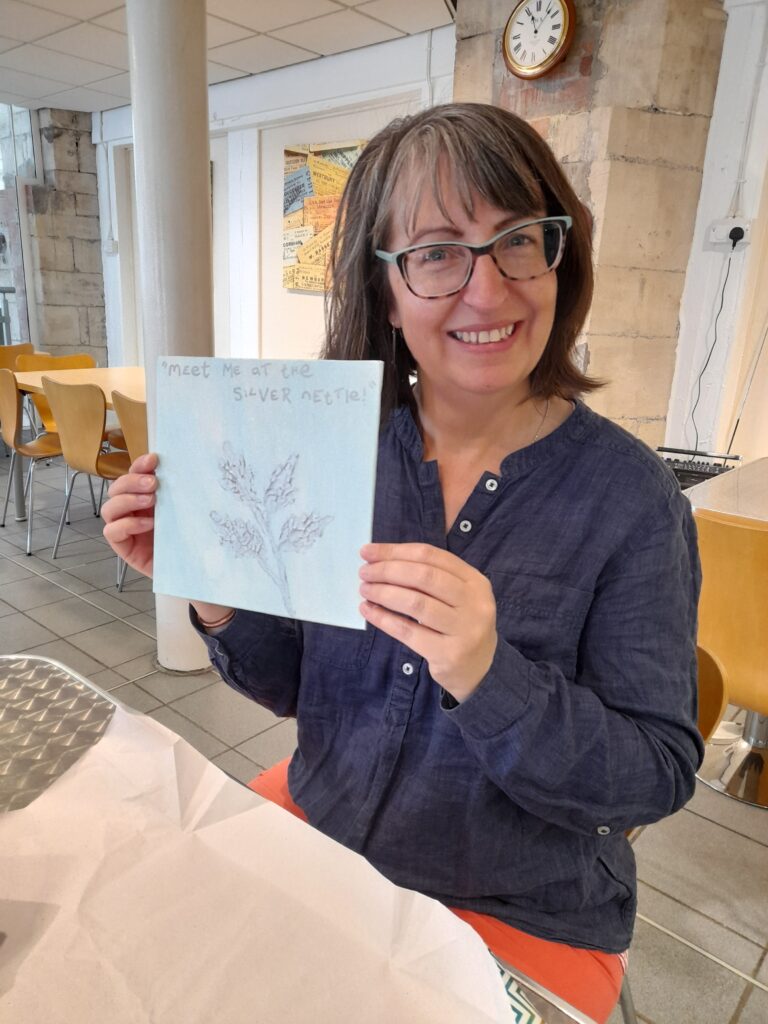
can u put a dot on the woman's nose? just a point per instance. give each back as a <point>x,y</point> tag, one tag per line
<point>487,287</point>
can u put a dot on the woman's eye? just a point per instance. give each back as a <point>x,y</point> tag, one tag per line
<point>516,241</point>
<point>436,255</point>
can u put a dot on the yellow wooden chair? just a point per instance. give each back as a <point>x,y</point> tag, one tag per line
<point>132,415</point>
<point>44,361</point>
<point>733,626</point>
<point>10,353</point>
<point>80,410</point>
<point>44,446</point>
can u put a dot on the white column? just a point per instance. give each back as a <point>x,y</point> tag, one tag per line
<point>169,98</point>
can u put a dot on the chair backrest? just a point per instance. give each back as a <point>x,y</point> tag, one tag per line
<point>713,693</point>
<point>80,411</point>
<point>45,361</point>
<point>132,415</point>
<point>733,608</point>
<point>10,408</point>
<point>9,354</point>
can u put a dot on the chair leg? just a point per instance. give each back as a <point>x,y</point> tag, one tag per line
<point>93,497</point>
<point>626,1003</point>
<point>31,504</point>
<point>10,484</point>
<point>29,478</point>
<point>64,512</point>
<point>122,567</point>
<point>101,495</point>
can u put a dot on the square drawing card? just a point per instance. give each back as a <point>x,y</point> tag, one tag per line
<point>266,480</point>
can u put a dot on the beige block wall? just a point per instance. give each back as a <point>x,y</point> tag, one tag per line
<point>66,246</point>
<point>627,113</point>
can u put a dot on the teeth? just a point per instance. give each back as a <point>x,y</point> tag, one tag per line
<point>484,337</point>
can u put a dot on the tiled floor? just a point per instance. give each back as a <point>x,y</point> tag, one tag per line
<point>703,926</point>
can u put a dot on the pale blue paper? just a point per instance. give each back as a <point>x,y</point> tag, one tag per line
<point>294,438</point>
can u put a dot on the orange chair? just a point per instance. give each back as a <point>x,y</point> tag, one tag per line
<point>132,416</point>
<point>44,446</point>
<point>10,353</point>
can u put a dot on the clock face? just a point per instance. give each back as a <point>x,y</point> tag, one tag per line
<point>535,35</point>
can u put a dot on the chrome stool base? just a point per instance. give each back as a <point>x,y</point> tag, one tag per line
<point>739,768</point>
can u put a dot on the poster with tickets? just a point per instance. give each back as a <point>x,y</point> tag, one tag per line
<point>266,478</point>
<point>314,178</point>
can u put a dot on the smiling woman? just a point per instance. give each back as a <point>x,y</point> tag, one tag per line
<point>524,692</point>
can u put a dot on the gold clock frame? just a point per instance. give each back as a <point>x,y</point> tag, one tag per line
<point>557,55</point>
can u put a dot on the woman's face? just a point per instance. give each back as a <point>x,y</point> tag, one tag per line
<point>438,331</point>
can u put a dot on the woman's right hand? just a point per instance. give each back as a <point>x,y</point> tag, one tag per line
<point>129,514</point>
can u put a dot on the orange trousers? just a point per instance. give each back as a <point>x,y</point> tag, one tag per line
<point>585,978</point>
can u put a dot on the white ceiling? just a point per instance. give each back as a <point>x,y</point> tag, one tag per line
<point>73,54</point>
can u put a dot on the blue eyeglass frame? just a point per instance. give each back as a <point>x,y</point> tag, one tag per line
<point>481,249</point>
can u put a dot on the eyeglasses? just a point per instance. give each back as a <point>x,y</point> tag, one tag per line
<point>433,270</point>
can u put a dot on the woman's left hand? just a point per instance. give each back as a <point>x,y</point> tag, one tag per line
<point>436,604</point>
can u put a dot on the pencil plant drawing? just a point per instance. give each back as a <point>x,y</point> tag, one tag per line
<point>263,537</point>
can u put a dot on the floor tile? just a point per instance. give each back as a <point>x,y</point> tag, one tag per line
<point>70,616</point>
<point>755,1009</point>
<point>35,564</point>
<point>6,609</point>
<point>93,528</point>
<point>11,571</point>
<point>109,602</point>
<point>135,668</point>
<point>208,745</point>
<point>739,817</point>
<point>139,600</point>
<point>170,686</point>
<point>114,643</point>
<point>225,713</point>
<point>711,936</point>
<point>18,632</point>
<point>63,651</point>
<point>703,865</point>
<point>71,583</point>
<point>143,621</point>
<point>271,746</point>
<point>136,698</point>
<point>99,574</point>
<point>32,593</point>
<point>237,765</point>
<point>107,680</point>
<point>672,984</point>
<point>79,552</point>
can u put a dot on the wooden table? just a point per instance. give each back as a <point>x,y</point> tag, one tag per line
<point>128,380</point>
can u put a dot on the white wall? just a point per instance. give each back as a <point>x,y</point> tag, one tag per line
<point>737,153</point>
<point>349,95</point>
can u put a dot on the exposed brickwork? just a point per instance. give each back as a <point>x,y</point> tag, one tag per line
<point>64,226</point>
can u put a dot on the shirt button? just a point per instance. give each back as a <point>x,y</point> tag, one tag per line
<point>465,526</point>
<point>408,669</point>
<point>603,830</point>
<point>491,485</point>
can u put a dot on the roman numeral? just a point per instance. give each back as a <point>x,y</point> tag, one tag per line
<point>517,36</point>
<point>555,28</point>
<point>552,40</point>
<point>522,55</point>
<point>517,48</point>
<point>538,5</point>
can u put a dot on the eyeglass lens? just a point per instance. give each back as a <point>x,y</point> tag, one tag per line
<point>520,254</point>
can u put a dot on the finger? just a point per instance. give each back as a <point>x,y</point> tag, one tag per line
<point>417,576</point>
<point>427,554</point>
<point>146,463</point>
<point>425,610</point>
<point>419,639</point>
<point>127,505</point>
<point>124,529</point>
<point>133,483</point>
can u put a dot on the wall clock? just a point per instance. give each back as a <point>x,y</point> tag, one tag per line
<point>537,36</point>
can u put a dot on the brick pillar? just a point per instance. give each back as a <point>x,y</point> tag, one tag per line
<point>627,113</point>
<point>66,239</point>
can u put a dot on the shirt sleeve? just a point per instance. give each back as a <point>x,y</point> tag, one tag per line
<point>258,655</point>
<point>617,746</point>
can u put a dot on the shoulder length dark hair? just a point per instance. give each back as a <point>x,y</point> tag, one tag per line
<point>475,149</point>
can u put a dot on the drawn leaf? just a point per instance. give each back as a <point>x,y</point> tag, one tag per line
<point>280,491</point>
<point>301,532</point>
<point>237,476</point>
<point>242,537</point>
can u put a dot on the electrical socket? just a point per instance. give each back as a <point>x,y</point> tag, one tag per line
<point>717,238</point>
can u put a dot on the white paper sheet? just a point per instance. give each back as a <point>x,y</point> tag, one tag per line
<point>146,886</point>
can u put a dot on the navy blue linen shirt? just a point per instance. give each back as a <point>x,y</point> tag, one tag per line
<point>513,803</point>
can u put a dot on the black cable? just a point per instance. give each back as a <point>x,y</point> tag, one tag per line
<point>712,349</point>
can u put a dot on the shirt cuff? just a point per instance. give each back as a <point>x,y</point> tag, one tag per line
<point>499,700</point>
